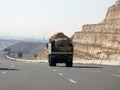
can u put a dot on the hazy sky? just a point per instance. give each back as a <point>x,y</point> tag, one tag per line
<point>42,18</point>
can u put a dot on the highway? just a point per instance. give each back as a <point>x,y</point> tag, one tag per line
<point>16,75</point>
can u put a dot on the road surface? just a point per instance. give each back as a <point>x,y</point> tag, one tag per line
<point>39,76</point>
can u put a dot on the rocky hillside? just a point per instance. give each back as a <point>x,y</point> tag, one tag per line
<point>25,50</point>
<point>100,41</point>
<point>27,47</point>
<point>5,43</point>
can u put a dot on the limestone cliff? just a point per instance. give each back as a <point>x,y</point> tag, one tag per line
<point>100,41</point>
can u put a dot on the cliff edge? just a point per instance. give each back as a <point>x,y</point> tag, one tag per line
<point>100,41</point>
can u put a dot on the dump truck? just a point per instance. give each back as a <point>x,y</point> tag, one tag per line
<point>60,50</point>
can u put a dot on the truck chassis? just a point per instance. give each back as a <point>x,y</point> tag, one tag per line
<point>61,57</point>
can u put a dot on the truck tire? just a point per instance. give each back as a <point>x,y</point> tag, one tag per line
<point>51,61</point>
<point>69,64</point>
<point>54,64</point>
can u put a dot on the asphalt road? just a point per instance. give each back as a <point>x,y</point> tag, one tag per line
<point>39,76</point>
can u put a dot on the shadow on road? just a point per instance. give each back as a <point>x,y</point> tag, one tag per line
<point>85,66</point>
<point>9,69</point>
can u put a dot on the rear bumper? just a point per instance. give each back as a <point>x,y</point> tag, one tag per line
<point>62,58</point>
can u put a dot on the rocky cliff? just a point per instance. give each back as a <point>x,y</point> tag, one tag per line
<point>100,41</point>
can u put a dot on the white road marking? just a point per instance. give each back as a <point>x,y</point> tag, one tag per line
<point>54,70</point>
<point>49,68</point>
<point>61,74</point>
<point>43,66</point>
<point>116,75</point>
<point>12,66</point>
<point>26,62</point>
<point>73,81</point>
<point>4,72</point>
<point>98,71</point>
<point>13,63</point>
<point>84,68</point>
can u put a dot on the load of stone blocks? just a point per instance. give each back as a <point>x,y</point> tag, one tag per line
<point>59,36</point>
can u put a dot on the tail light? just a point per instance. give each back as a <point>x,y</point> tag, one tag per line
<point>53,56</point>
<point>70,56</point>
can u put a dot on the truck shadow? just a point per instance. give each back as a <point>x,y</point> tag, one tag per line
<point>83,66</point>
<point>9,69</point>
<point>86,67</point>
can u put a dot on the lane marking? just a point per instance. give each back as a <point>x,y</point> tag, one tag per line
<point>73,81</point>
<point>61,74</point>
<point>98,71</point>
<point>4,72</point>
<point>84,68</point>
<point>26,62</point>
<point>43,66</point>
<point>13,63</point>
<point>12,66</point>
<point>49,68</point>
<point>54,70</point>
<point>116,75</point>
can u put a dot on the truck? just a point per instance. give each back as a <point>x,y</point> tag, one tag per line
<point>60,50</point>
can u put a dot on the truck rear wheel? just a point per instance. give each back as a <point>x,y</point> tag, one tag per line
<point>51,61</point>
<point>69,64</point>
<point>53,64</point>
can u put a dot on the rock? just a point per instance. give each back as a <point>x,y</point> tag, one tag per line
<point>102,40</point>
<point>115,56</point>
<point>103,55</point>
<point>118,2</point>
<point>43,55</point>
